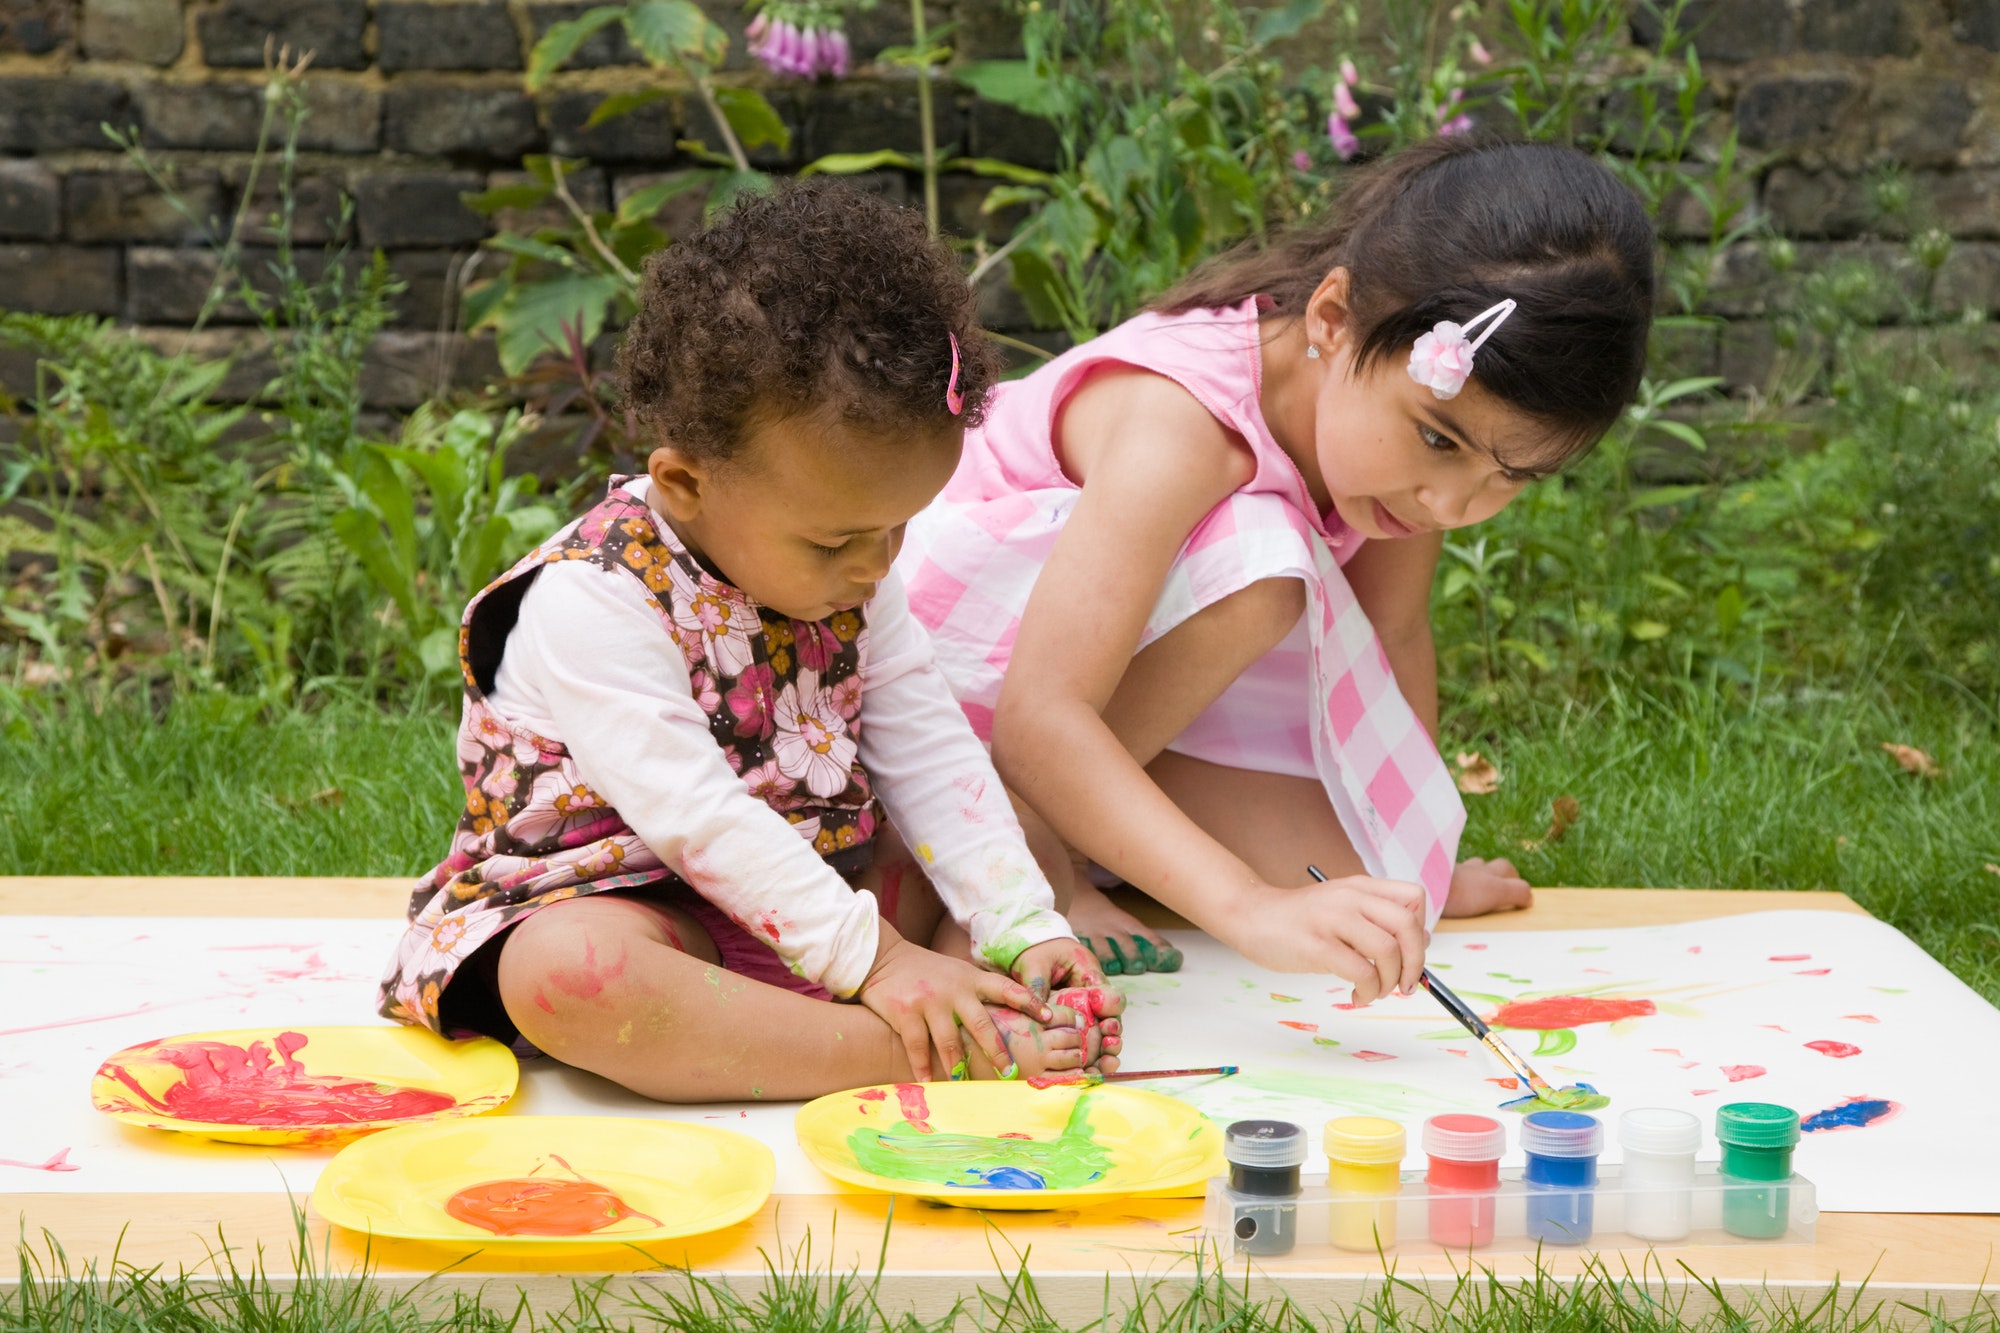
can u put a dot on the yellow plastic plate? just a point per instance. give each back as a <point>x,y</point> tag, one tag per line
<point>1008,1145</point>
<point>304,1087</point>
<point>632,1180</point>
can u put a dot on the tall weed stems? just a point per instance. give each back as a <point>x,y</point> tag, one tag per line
<point>282,550</point>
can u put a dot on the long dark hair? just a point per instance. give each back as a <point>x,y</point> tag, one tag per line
<point>1449,227</point>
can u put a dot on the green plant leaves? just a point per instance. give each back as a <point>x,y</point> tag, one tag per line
<point>623,104</point>
<point>853,164</point>
<point>539,317</point>
<point>753,119</point>
<point>668,31</point>
<point>1015,83</point>
<point>562,39</point>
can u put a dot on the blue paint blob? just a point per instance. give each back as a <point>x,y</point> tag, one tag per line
<point>1854,1113</point>
<point>1009,1178</point>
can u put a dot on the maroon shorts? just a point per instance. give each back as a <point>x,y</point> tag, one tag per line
<point>471,1003</point>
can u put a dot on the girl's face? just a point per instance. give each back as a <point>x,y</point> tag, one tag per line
<point>804,518</point>
<point>1394,459</point>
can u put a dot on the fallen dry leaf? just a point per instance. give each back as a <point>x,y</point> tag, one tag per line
<point>1992,869</point>
<point>1476,774</point>
<point>1563,813</point>
<point>1913,760</point>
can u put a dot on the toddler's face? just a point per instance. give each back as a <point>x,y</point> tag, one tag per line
<point>804,518</point>
<point>1398,461</point>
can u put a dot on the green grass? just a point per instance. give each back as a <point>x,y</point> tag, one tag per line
<point>797,1297</point>
<point>1771,795</point>
<point>1767,795</point>
<point>212,787</point>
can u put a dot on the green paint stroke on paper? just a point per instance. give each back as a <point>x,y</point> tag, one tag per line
<point>1308,1098</point>
<point>1071,1160</point>
<point>1556,1041</point>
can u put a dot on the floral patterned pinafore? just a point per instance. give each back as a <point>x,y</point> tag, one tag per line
<point>783,699</point>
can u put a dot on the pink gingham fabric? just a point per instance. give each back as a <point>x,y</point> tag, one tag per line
<point>971,559</point>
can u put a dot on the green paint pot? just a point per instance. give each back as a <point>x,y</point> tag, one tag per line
<point>1757,1139</point>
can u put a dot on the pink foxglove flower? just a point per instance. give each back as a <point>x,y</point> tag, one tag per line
<point>1442,359</point>
<point>1460,124</point>
<point>1344,103</point>
<point>1480,55</point>
<point>1343,139</point>
<point>837,46</point>
<point>1348,74</point>
<point>798,42</point>
<point>1302,160</point>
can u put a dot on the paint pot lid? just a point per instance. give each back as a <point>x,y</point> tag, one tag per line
<point>1757,1125</point>
<point>1659,1129</point>
<point>1264,1143</point>
<point>1561,1134</point>
<point>1464,1138</point>
<point>1364,1140</point>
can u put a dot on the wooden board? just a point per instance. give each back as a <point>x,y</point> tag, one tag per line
<point>936,1256</point>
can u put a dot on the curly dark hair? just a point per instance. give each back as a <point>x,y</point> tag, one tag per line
<point>816,298</point>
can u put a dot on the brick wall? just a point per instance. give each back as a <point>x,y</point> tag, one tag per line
<point>417,101</point>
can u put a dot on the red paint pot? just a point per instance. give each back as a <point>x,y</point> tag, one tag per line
<point>1464,1152</point>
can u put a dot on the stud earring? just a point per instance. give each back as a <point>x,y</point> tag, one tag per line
<point>1312,351</point>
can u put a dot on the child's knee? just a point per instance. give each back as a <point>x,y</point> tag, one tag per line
<point>571,965</point>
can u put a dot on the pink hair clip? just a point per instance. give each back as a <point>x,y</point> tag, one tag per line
<point>953,399</point>
<point>1442,359</point>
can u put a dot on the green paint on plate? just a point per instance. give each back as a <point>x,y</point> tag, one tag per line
<point>1072,1159</point>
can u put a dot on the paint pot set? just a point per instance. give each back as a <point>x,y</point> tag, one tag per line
<point>1463,1200</point>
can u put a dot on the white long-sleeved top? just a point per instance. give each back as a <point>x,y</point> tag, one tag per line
<point>589,663</point>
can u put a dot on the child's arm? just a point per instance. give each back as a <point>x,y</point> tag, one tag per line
<point>1152,461</point>
<point>617,692</point>
<point>939,788</point>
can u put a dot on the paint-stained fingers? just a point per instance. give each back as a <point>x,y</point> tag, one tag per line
<point>997,989</point>
<point>949,1038</point>
<point>979,1026</point>
<point>915,1034</point>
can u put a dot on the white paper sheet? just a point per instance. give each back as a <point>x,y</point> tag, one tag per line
<point>1730,997</point>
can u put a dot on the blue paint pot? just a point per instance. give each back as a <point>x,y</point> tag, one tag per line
<point>1561,1175</point>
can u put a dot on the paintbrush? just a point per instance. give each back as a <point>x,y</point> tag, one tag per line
<point>1487,1037</point>
<point>1077,1077</point>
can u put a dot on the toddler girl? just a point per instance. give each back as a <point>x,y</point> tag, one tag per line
<point>681,710</point>
<point>1181,577</point>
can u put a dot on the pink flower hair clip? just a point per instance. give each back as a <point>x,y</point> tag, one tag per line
<point>1442,359</point>
<point>953,399</point>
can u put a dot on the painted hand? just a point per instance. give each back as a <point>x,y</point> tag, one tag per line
<point>1367,931</point>
<point>1058,964</point>
<point>935,1002</point>
<point>1479,887</point>
<point>1070,1045</point>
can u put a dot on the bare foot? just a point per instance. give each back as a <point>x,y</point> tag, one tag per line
<point>1123,946</point>
<point>1479,887</point>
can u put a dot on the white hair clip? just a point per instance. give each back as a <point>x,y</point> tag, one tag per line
<point>1442,359</point>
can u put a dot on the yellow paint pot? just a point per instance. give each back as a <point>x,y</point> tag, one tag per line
<point>1364,1157</point>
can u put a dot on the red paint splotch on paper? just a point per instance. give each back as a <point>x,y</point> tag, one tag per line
<point>1790,957</point>
<point>1703,1092</point>
<point>1511,1084</point>
<point>1694,948</point>
<point>1669,1050</point>
<point>1475,947</point>
<point>59,1162</point>
<point>1552,1012</point>
<point>872,1095</point>
<point>1862,1018</point>
<point>223,1084</point>
<point>1839,1050</point>
<point>1298,1026</point>
<point>910,1096</point>
<point>1774,1027</point>
<point>1812,972</point>
<point>587,980</point>
<point>526,1206</point>
<point>1371,1055</point>
<point>1738,1073</point>
<point>1461,1054</point>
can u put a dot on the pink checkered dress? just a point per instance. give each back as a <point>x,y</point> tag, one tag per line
<point>972,557</point>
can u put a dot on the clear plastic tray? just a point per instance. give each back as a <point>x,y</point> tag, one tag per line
<point>1516,1217</point>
